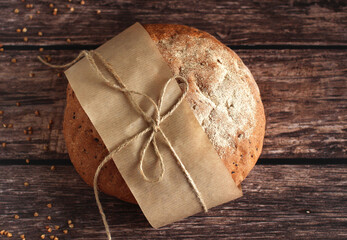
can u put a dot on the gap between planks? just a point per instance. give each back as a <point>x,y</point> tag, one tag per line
<point>261,161</point>
<point>234,47</point>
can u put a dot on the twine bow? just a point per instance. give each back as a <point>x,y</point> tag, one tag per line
<point>153,126</point>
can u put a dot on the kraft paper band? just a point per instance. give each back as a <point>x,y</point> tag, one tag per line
<point>136,60</point>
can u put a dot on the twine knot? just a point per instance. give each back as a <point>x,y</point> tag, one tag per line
<point>155,127</point>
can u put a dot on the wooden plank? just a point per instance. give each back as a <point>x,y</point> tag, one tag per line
<point>282,202</point>
<point>305,99</point>
<point>248,22</point>
<point>304,94</point>
<point>44,92</point>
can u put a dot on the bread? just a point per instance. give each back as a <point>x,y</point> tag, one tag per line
<point>223,96</point>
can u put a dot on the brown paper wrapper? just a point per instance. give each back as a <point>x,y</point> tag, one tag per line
<point>141,67</point>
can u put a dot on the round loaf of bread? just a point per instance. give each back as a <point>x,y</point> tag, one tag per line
<point>223,96</point>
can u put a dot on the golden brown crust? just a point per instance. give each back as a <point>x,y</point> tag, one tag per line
<point>87,150</point>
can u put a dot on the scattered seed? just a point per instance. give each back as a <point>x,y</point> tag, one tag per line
<point>26,184</point>
<point>56,238</point>
<point>13,60</point>
<point>1,49</point>
<point>68,40</point>
<point>52,168</point>
<point>29,139</point>
<point>65,231</point>
<point>49,229</point>
<point>49,205</point>
<point>308,211</point>
<point>3,144</point>
<point>37,113</point>
<point>38,12</point>
<point>55,11</point>
<point>51,5</point>
<point>16,11</point>
<point>18,30</point>
<point>48,58</point>
<point>41,49</point>
<point>83,2</point>
<point>31,74</point>
<point>72,9</point>
<point>98,11</point>
<point>30,17</point>
<point>69,221</point>
<point>45,147</point>
<point>4,125</point>
<point>17,104</point>
<point>25,131</point>
<point>56,227</point>
<point>10,125</point>
<point>71,225</point>
<point>24,30</point>
<point>2,232</point>
<point>1,112</point>
<point>59,74</point>
<point>36,214</point>
<point>30,132</point>
<point>51,237</point>
<point>49,218</point>
<point>27,161</point>
<point>16,216</point>
<point>29,5</point>
<point>25,39</point>
<point>43,236</point>
<point>22,236</point>
<point>49,126</point>
<point>9,235</point>
<point>40,34</point>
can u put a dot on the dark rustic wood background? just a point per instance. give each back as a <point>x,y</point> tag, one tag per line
<point>297,52</point>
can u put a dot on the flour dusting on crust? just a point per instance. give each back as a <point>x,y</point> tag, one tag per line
<point>220,96</point>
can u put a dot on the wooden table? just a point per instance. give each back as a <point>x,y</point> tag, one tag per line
<point>297,52</point>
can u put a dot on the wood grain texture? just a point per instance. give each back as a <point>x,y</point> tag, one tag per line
<point>282,202</point>
<point>298,22</point>
<point>305,99</point>
<point>304,94</point>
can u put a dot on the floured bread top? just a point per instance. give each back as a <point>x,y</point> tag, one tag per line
<point>219,94</point>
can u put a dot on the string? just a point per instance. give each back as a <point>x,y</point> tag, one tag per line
<point>154,126</point>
